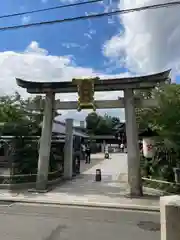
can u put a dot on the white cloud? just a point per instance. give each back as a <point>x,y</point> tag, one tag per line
<point>115,47</point>
<point>74,45</point>
<point>35,49</point>
<point>109,6</point>
<point>90,33</point>
<point>35,64</point>
<point>26,19</point>
<point>150,42</point>
<point>111,20</point>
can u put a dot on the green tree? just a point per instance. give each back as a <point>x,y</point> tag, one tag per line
<point>101,125</point>
<point>104,126</point>
<point>23,124</point>
<point>36,102</point>
<point>92,120</point>
<point>167,115</point>
<point>115,122</point>
<point>10,109</point>
<point>165,119</point>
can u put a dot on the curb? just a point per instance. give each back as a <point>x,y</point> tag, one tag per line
<point>133,207</point>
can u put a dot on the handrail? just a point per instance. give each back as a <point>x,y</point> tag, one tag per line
<point>160,181</point>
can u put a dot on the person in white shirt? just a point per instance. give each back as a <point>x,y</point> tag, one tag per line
<point>122,147</point>
<point>83,151</point>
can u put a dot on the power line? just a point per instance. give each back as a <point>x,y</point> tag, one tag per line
<point>50,8</point>
<point>84,17</point>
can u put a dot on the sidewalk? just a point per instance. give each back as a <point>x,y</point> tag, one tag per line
<point>114,178</point>
<point>84,191</point>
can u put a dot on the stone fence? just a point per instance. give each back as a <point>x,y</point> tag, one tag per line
<point>25,181</point>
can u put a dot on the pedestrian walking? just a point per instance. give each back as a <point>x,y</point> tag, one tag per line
<point>83,147</point>
<point>88,154</point>
<point>122,147</point>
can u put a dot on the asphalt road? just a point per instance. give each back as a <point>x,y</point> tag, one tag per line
<point>40,222</point>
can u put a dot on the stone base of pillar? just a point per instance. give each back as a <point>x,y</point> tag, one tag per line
<point>34,190</point>
<point>135,196</point>
<point>67,178</point>
<point>135,191</point>
<point>41,183</point>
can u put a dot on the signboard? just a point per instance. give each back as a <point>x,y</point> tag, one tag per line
<point>85,89</point>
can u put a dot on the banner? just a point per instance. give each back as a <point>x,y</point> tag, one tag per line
<point>85,89</point>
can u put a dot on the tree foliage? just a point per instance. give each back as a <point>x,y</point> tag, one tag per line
<point>165,119</point>
<point>101,125</point>
<point>22,123</point>
<point>10,109</point>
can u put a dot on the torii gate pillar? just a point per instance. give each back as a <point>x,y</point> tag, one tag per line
<point>45,143</point>
<point>68,150</point>
<point>134,172</point>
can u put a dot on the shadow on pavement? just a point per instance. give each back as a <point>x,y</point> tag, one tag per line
<point>85,185</point>
<point>84,167</point>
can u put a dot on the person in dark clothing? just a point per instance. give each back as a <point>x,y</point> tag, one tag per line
<point>88,154</point>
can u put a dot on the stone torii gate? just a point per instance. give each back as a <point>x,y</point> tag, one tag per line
<point>129,102</point>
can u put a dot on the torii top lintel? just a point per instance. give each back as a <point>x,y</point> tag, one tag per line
<point>142,82</point>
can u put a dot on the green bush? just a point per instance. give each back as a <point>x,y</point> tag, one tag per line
<point>24,142</point>
<point>162,165</point>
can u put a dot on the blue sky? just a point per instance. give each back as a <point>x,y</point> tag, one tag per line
<point>137,43</point>
<point>82,39</point>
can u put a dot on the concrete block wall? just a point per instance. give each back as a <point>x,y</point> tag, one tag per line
<point>170,217</point>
